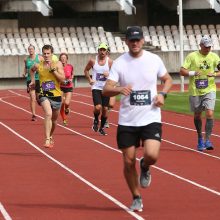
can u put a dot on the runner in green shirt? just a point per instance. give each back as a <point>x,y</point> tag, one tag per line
<point>29,61</point>
<point>201,67</point>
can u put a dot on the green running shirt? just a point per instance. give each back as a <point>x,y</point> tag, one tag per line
<point>204,64</point>
<point>29,63</point>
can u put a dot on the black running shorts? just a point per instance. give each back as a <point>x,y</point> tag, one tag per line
<point>66,90</point>
<point>99,99</point>
<point>37,86</point>
<point>128,136</point>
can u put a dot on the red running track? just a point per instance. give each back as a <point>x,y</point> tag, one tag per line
<point>81,177</point>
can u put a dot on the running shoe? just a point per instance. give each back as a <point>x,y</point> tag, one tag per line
<point>102,131</point>
<point>67,111</point>
<point>137,205</point>
<point>201,145</point>
<point>47,143</point>
<point>208,145</point>
<point>107,124</point>
<point>145,176</point>
<point>95,126</point>
<point>34,118</point>
<point>65,122</point>
<point>51,142</point>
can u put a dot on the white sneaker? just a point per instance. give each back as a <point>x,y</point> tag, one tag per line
<point>137,205</point>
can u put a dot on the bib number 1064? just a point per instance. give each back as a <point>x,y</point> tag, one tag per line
<point>142,97</point>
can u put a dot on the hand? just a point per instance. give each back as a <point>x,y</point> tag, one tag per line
<point>66,81</point>
<point>211,74</point>
<point>106,74</point>
<point>92,82</point>
<point>197,73</point>
<point>52,70</point>
<point>159,100</point>
<point>32,85</point>
<point>126,90</point>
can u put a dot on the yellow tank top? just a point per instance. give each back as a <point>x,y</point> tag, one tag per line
<point>49,85</point>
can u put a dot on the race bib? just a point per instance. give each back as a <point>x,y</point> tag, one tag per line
<point>48,85</point>
<point>201,83</point>
<point>100,77</point>
<point>142,97</point>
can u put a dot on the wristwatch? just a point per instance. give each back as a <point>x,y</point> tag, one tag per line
<point>164,94</point>
<point>52,70</point>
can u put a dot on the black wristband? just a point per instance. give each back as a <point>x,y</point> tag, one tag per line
<point>52,70</point>
<point>164,94</point>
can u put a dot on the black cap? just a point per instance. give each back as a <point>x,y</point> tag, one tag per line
<point>134,33</point>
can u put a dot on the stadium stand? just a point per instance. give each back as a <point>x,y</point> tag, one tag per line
<point>82,40</point>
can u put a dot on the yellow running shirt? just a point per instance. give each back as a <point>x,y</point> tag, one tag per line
<point>50,86</point>
<point>204,64</point>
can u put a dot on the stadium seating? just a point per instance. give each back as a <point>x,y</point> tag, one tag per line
<point>167,37</point>
<point>83,40</point>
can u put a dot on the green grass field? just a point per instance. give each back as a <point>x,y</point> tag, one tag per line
<point>179,102</point>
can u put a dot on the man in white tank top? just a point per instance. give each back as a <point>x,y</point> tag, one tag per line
<point>137,72</point>
<point>100,70</point>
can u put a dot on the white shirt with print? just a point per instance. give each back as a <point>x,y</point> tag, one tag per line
<point>97,74</point>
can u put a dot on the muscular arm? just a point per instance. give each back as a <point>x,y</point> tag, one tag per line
<point>186,72</point>
<point>33,69</point>
<point>167,80</point>
<point>110,89</point>
<point>88,67</point>
<point>59,72</point>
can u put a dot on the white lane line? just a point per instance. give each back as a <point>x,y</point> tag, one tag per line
<point>109,197</point>
<point>111,148</point>
<point>4,212</point>
<point>84,103</point>
<point>167,123</point>
<point>170,142</point>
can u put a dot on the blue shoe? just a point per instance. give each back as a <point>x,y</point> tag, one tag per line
<point>201,145</point>
<point>208,145</point>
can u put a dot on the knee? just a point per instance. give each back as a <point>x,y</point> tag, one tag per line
<point>151,159</point>
<point>98,108</point>
<point>197,116</point>
<point>129,164</point>
<point>209,115</point>
<point>48,115</point>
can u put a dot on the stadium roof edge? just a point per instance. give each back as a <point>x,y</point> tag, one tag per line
<point>27,6</point>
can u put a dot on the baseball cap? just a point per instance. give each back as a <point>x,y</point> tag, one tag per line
<point>206,41</point>
<point>134,33</point>
<point>103,45</point>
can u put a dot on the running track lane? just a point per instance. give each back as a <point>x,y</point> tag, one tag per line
<point>169,203</point>
<point>41,184</point>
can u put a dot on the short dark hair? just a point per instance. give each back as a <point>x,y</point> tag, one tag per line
<point>62,55</point>
<point>47,47</point>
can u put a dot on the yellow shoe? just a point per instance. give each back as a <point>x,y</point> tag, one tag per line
<point>65,122</point>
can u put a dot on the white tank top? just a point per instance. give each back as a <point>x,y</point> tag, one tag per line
<point>97,74</point>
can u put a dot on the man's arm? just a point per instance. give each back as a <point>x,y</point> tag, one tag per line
<point>186,72</point>
<point>59,72</point>
<point>167,82</point>
<point>88,67</point>
<point>25,69</point>
<point>111,89</point>
<point>33,69</point>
